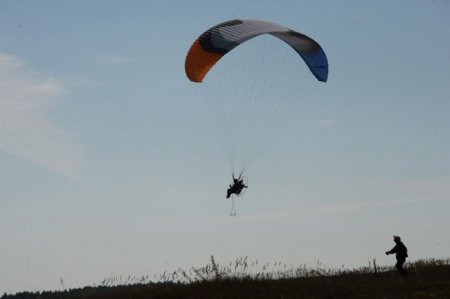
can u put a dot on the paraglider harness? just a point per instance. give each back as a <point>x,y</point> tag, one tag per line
<point>237,186</point>
<point>236,189</point>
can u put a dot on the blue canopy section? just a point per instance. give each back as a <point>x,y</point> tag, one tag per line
<point>317,63</point>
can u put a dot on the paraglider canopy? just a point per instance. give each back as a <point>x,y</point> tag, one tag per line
<point>217,41</point>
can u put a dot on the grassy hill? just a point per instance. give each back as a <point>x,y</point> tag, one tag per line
<point>426,279</point>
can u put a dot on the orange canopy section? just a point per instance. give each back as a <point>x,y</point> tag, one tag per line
<point>199,62</point>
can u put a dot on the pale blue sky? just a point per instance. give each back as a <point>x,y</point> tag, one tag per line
<point>109,166</point>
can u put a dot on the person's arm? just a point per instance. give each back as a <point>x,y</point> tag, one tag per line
<point>393,250</point>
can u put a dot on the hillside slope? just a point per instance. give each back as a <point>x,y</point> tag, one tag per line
<point>426,279</point>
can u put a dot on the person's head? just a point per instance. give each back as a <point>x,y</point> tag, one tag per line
<point>397,239</point>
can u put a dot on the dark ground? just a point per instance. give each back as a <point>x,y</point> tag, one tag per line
<point>426,279</point>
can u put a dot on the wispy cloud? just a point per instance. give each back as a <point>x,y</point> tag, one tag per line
<point>418,192</point>
<point>326,208</point>
<point>326,121</point>
<point>114,60</point>
<point>9,62</point>
<point>26,128</point>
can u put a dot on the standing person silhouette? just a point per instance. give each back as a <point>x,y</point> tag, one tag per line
<point>401,253</point>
